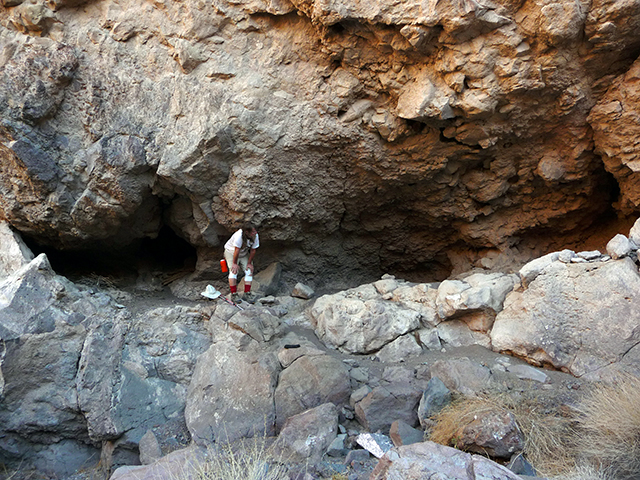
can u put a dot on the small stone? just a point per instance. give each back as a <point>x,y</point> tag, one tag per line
<point>619,247</point>
<point>526,372</point>
<point>403,434</point>
<point>565,256</point>
<point>337,447</point>
<point>376,443</point>
<point>590,255</point>
<point>302,291</point>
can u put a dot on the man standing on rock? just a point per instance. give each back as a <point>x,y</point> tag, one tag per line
<point>239,252</point>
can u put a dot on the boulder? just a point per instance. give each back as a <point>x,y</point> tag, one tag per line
<point>619,247</point>
<point>302,291</point>
<point>477,292</point>
<point>404,434</point>
<point>420,297</point>
<point>491,432</point>
<point>44,325</point>
<point>149,448</point>
<point>14,254</point>
<point>400,349</point>
<point>575,317</point>
<point>308,382</point>
<point>435,397</point>
<point>358,321</point>
<point>463,375</point>
<point>265,282</point>
<point>386,404</point>
<point>305,437</point>
<point>231,394</point>
<point>145,382</point>
<point>375,443</point>
<point>456,333</point>
<point>430,460</point>
<point>186,463</point>
<point>531,270</point>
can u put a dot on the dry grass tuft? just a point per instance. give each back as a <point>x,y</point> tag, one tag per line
<point>609,428</point>
<point>599,440</point>
<point>584,472</point>
<point>247,460</point>
<point>545,433</point>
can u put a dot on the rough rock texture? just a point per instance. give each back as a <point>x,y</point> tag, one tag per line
<point>578,317</point>
<point>231,394</point>
<point>362,136</point>
<point>311,381</point>
<point>307,435</point>
<point>430,460</point>
<point>79,370</point>
<point>14,254</point>
<point>493,432</point>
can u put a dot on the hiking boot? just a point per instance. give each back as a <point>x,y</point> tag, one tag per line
<point>249,297</point>
<point>235,297</point>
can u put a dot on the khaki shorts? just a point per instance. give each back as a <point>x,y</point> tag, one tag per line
<point>242,262</point>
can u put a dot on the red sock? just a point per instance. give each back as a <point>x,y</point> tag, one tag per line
<point>247,288</point>
<point>234,288</point>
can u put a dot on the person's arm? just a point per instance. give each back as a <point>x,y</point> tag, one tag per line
<point>250,261</point>
<point>234,265</point>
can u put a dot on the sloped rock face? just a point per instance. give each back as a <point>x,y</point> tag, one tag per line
<point>360,136</point>
<point>77,370</point>
<point>581,318</point>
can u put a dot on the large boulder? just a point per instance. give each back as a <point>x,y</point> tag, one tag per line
<point>305,437</point>
<point>359,321</point>
<point>231,394</point>
<point>578,317</point>
<point>310,381</point>
<point>430,460</point>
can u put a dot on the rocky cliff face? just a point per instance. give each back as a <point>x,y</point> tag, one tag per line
<point>395,136</point>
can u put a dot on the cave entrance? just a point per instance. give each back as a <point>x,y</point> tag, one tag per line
<point>165,255</point>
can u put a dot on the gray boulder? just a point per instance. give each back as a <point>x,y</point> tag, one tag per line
<point>463,375</point>
<point>435,397</point>
<point>386,404</point>
<point>359,321</point>
<point>403,434</point>
<point>305,437</point>
<point>308,382</point>
<point>14,254</point>
<point>186,463</point>
<point>477,292</point>
<point>44,321</point>
<point>231,394</point>
<point>619,247</point>
<point>430,460</point>
<point>576,317</point>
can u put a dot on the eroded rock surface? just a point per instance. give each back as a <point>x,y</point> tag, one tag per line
<point>371,136</point>
<point>579,317</point>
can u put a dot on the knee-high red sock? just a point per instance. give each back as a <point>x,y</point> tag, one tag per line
<point>234,288</point>
<point>247,288</point>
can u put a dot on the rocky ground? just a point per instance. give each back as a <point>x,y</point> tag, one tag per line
<point>133,369</point>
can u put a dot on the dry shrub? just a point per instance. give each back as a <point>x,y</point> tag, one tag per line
<point>246,460</point>
<point>584,472</point>
<point>546,434</point>
<point>609,428</point>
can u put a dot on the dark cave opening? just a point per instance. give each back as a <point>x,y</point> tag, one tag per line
<point>165,254</point>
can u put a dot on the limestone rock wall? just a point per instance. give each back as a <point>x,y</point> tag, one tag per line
<point>368,135</point>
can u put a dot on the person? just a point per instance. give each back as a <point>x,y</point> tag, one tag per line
<point>239,251</point>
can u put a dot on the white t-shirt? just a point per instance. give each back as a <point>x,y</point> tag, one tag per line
<point>236,241</point>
